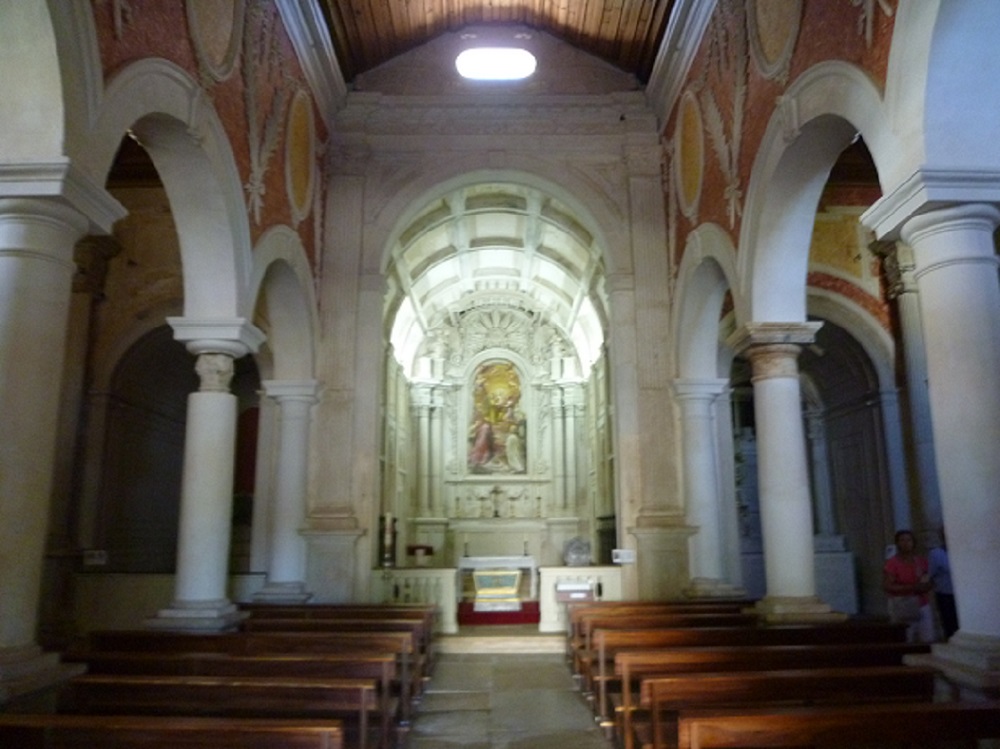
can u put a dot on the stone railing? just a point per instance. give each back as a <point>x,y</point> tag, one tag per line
<point>423,585</point>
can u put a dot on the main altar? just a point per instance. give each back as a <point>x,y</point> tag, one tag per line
<point>492,586</point>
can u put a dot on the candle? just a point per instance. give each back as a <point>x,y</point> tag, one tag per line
<point>388,531</point>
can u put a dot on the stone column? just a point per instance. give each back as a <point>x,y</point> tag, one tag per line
<point>286,568</point>
<point>205,528</point>
<point>422,405</point>
<point>783,475</point>
<point>898,262</point>
<point>36,273</point>
<point>559,450</point>
<point>955,266</point>
<point>436,452</point>
<point>702,491</point>
<point>816,430</point>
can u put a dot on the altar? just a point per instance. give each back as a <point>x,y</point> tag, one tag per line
<point>522,562</point>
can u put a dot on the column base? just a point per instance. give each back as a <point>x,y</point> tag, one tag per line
<point>198,616</point>
<point>969,663</point>
<point>292,593</point>
<point>28,669</point>
<point>796,610</point>
<point>707,587</point>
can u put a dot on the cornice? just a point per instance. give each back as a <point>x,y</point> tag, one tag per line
<point>314,48</point>
<point>68,184</point>
<point>927,190</point>
<point>680,44</point>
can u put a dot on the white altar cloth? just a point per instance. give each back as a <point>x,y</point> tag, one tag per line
<point>523,562</point>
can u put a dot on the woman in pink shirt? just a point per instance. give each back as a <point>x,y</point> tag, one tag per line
<point>907,584</point>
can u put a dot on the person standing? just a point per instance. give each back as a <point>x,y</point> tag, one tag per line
<point>906,582</point>
<point>944,594</point>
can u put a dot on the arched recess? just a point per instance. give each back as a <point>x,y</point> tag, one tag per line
<point>820,115</point>
<point>174,121</point>
<point>493,263</point>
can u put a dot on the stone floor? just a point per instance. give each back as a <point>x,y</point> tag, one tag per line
<point>502,700</point>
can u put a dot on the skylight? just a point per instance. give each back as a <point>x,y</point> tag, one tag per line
<point>495,64</point>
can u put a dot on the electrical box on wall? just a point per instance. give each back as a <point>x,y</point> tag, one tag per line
<point>623,556</point>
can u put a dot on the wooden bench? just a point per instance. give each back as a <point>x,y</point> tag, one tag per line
<point>423,636</point>
<point>666,696</point>
<point>351,701</point>
<point>837,726</point>
<point>588,623</point>
<point>55,731</point>
<point>380,667</point>
<point>597,664</point>
<point>576,612</point>
<point>400,644</point>
<point>631,666</point>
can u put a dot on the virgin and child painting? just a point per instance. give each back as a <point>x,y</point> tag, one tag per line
<point>497,428</point>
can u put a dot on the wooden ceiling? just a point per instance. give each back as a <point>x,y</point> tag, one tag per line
<point>625,33</point>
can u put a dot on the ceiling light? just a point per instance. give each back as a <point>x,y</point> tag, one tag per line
<point>495,64</point>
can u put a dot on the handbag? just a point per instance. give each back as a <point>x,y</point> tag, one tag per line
<point>904,608</point>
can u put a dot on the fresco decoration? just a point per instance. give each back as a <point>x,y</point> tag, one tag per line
<point>300,155</point>
<point>727,56</point>
<point>498,427</point>
<point>866,21</point>
<point>121,11</point>
<point>217,34</point>
<point>689,164</point>
<point>773,31</point>
<point>264,69</point>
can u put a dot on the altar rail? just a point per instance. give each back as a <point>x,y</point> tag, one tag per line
<point>436,585</point>
<point>440,585</point>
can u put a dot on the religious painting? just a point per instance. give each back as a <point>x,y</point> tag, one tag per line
<point>497,428</point>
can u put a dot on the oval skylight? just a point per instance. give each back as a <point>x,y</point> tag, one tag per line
<point>495,64</point>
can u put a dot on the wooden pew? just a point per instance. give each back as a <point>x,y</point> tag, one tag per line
<point>383,668</point>
<point>589,622</point>
<point>666,696</point>
<point>399,644</point>
<point>575,612</point>
<point>920,724</point>
<point>633,665</point>
<point>423,636</point>
<point>597,664</point>
<point>351,701</point>
<point>55,731</point>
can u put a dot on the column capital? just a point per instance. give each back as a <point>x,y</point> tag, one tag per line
<point>970,220</point>
<point>755,334</point>
<point>707,388</point>
<point>282,390</point>
<point>928,190</point>
<point>61,183</point>
<point>234,336</point>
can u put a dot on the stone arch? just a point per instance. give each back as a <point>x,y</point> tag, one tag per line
<point>604,215</point>
<point>707,272</point>
<point>822,112</point>
<point>870,335</point>
<point>941,86</point>
<point>173,119</point>
<point>284,293</point>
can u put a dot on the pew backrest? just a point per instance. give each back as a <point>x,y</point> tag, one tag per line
<point>837,726</point>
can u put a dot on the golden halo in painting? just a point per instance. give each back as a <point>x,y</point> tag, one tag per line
<point>774,28</point>
<point>300,155</point>
<point>689,150</point>
<point>217,33</point>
